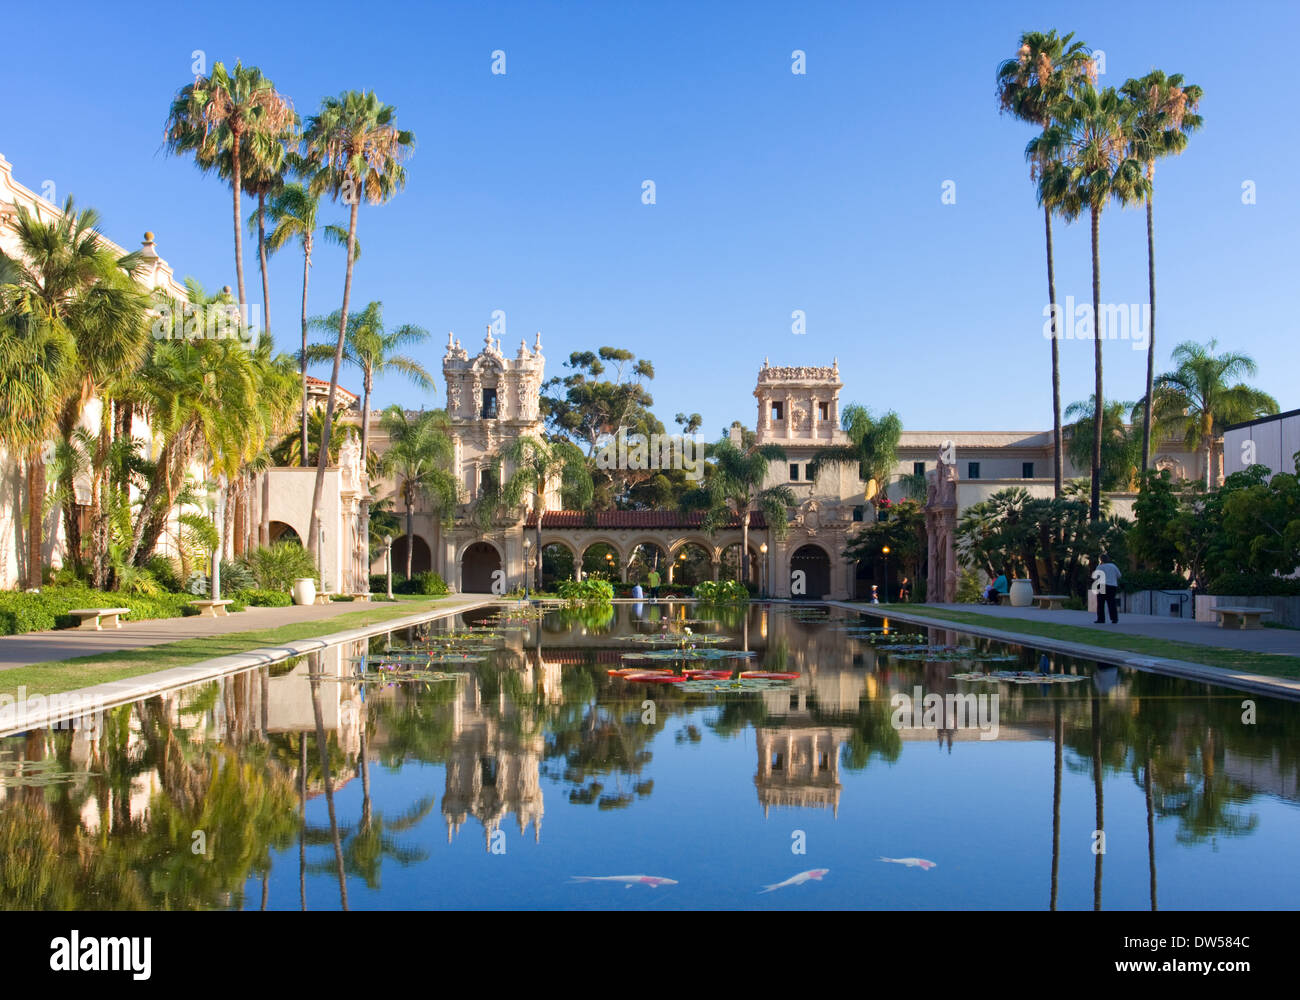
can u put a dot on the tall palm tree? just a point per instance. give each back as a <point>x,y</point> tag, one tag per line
<point>538,463</point>
<point>354,150</point>
<point>293,213</point>
<point>874,448</point>
<point>212,118</point>
<point>1200,397</point>
<point>71,288</point>
<point>1087,163</point>
<point>267,158</point>
<point>734,486</point>
<point>1165,115</point>
<point>419,457</point>
<point>1044,72</point>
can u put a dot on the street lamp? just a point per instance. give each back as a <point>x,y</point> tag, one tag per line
<point>528,546</point>
<point>320,546</point>
<point>762,572</point>
<point>885,550</point>
<point>388,562</point>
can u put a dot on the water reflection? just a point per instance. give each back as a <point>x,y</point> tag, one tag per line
<point>192,799</point>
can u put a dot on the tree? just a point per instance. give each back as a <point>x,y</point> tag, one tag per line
<point>537,464</point>
<point>419,456</point>
<point>353,150</point>
<point>267,158</point>
<point>1164,116</point>
<point>874,448</point>
<point>733,487</point>
<point>1044,72</point>
<point>1199,397</point>
<point>1086,164</point>
<point>212,118</point>
<point>293,213</point>
<point>1119,446</point>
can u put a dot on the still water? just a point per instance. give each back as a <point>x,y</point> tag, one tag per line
<point>514,765</point>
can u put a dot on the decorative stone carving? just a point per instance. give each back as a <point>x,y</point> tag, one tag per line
<point>941,530</point>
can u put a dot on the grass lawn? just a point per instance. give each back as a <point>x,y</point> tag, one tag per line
<point>1270,664</point>
<point>68,675</point>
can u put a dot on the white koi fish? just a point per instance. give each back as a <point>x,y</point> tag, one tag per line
<point>800,879</point>
<point>912,862</point>
<point>653,881</point>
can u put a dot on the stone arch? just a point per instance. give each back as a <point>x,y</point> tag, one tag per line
<point>814,562</point>
<point>478,563</point>
<point>556,566</point>
<point>283,531</point>
<point>696,567</point>
<point>703,541</point>
<point>589,562</point>
<point>421,555</point>
<point>729,562</point>
<point>640,561</point>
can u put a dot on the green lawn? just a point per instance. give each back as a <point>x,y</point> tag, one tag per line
<point>1271,664</point>
<point>67,675</point>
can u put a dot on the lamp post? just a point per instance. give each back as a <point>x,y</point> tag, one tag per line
<point>388,563</point>
<point>885,550</point>
<point>528,548</point>
<point>320,546</point>
<point>762,570</point>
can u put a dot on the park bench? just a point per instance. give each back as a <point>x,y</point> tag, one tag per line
<point>1241,618</point>
<point>322,598</point>
<point>213,609</point>
<point>1051,602</point>
<point>99,618</point>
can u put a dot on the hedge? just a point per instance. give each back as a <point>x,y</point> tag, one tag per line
<point>22,612</point>
<point>264,598</point>
<point>1151,580</point>
<point>428,584</point>
<point>1253,585</point>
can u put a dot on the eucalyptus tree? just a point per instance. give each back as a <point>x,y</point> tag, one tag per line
<point>293,210</point>
<point>212,118</point>
<point>1201,396</point>
<point>1045,70</point>
<point>1165,115</point>
<point>734,486</point>
<point>419,457</point>
<point>1088,163</point>
<point>354,150</point>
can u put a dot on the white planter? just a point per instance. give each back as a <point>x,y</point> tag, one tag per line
<point>1022,593</point>
<point>304,590</point>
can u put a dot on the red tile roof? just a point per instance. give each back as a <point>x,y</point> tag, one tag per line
<point>625,519</point>
<point>323,383</point>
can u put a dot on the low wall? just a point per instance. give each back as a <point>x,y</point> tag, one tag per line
<point>1286,610</point>
<point>1163,603</point>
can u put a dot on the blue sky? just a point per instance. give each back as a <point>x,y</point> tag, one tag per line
<point>775,192</point>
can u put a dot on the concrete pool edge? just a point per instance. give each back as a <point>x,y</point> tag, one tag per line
<point>20,716</point>
<point>1278,687</point>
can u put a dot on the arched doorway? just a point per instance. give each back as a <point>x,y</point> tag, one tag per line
<point>645,557</point>
<point>815,566</point>
<point>278,531</point>
<point>730,564</point>
<point>602,558</point>
<point>557,563</point>
<point>421,556</point>
<point>477,566</point>
<point>692,564</point>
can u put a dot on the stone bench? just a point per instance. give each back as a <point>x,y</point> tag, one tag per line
<point>99,618</point>
<point>212,609</point>
<point>1240,618</point>
<point>1051,602</point>
<point>322,599</point>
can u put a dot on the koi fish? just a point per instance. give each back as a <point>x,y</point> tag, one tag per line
<point>653,881</point>
<point>912,862</point>
<point>800,879</point>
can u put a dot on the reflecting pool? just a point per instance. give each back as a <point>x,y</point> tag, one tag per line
<point>497,760</point>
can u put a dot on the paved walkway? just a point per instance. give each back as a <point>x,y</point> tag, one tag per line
<point>66,644</point>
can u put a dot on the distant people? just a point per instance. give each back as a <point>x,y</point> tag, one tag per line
<point>652,578</point>
<point>875,597</point>
<point>1108,593</point>
<point>1001,585</point>
<point>905,590</point>
<point>990,591</point>
<point>637,593</point>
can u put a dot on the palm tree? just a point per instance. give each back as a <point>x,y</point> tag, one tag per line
<point>537,464</point>
<point>1086,163</point>
<point>212,118</point>
<point>371,348</point>
<point>71,289</point>
<point>419,456</point>
<point>354,150</point>
<point>1164,118</point>
<point>733,486</point>
<point>1199,398</point>
<point>1044,72</point>
<point>874,448</point>
<point>1120,446</point>
<point>293,216</point>
<point>266,160</point>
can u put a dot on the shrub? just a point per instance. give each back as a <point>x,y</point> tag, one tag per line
<point>430,584</point>
<point>1253,585</point>
<point>592,590</point>
<point>264,598</point>
<point>275,567</point>
<point>22,612</point>
<point>166,572</point>
<point>1151,580</point>
<point>237,576</point>
<point>721,591</point>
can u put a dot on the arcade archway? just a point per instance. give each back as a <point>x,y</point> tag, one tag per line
<point>810,572</point>
<point>478,565</point>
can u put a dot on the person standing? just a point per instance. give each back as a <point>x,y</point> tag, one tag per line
<point>905,590</point>
<point>1107,591</point>
<point>652,578</point>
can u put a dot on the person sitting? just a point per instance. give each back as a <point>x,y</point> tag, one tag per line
<point>990,594</point>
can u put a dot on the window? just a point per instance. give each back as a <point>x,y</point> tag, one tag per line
<point>972,470</point>
<point>1026,470</point>
<point>487,481</point>
<point>778,411</point>
<point>918,468</point>
<point>823,411</point>
<point>489,411</point>
<point>794,472</point>
<point>858,512</point>
<point>807,473</point>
